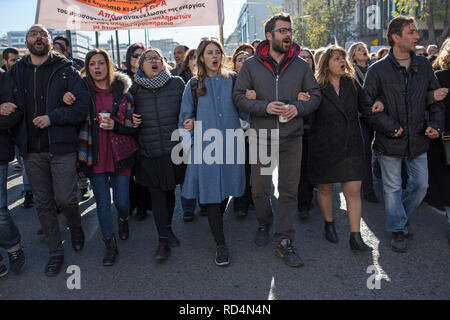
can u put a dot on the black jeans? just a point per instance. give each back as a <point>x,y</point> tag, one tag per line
<point>215,213</point>
<point>53,180</point>
<point>163,203</point>
<point>242,203</point>
<point>368,135</point>
<point>305,187</point>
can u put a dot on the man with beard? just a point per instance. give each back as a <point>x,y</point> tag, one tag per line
<point>277,75</point>
<point>10,57</point>
<point>47,137</point>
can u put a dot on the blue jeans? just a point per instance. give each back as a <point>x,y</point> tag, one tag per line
<point>100,183</point>
<point>9,234</point>
<point>399,203</point>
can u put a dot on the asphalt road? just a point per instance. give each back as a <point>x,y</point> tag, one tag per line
<point>331,271</point>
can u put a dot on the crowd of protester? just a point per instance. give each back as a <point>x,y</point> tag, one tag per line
<point>339,116</point>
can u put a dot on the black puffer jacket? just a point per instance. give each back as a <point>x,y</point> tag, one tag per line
<point>7,122</point>
<point>159,109</point>
<point>404,94</point>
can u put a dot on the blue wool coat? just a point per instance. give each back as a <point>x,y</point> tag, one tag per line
<point>214,182</point>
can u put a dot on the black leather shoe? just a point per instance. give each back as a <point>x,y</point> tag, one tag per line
<point>371,197</point>
<point>162,252</point>
<point>124,229</point>
<point>303,213</point>
<point>262,237</point>
<point>173,240</point>
<point>188,216</point>
<point>240,214</point>
<point>16,261</point>
<point>28,201</point>
<point>357,243</point>
<point>77,236</point>
<point>111,251</point>
<point>398,242</point>
<point>141,214</point>
<point>330,232</point>
<point>54,265</point>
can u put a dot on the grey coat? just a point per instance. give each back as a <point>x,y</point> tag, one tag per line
<point>276,83</point>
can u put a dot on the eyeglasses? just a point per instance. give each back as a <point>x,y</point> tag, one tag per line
<point>283,30</point>
<point>192,57</point>
<point>136,55</point>
<point>34,34</point>
<point>152,59</point>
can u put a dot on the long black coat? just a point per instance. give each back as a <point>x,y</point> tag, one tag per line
<point>337,150</point>
<point>439,173</point>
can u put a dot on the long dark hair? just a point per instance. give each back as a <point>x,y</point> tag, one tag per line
<point>201,67</point>
<point>130,50</point>
<point>110,66</point>
<point>187,57</point>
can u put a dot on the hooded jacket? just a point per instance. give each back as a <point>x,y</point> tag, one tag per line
<point>7,122</point>
<point>404,94</point>
<point>119,88</point>
<point>46,95</point>
<point>276,82</point>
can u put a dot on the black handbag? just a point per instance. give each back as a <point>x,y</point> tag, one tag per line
<point>446,143</point>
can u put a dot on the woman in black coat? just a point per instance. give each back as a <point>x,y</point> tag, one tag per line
<point>337,151</point>
<point>157,96</point>
<point>439,172</point>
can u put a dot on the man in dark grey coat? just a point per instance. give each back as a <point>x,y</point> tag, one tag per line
<point>402,81</point>
<point>277,75</point>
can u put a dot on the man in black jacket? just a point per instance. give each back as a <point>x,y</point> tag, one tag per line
<point>402,80</point>
<point>9,234</point>
<point>47,137</point>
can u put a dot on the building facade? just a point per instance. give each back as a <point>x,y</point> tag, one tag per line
<point>251,19</point>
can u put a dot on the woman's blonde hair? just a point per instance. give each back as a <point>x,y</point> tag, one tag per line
<point>201,67</point>
<point>323,73</point>
<point>443,59</point>
<point>352,51</point>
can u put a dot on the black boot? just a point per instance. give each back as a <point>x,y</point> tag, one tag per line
<point>173,240</point>
<point>357,243</point>
<point>162,252</point>
<point>111,251</point>
<point>77,237</point>
<point>330,232</point>
<point>124,229</point>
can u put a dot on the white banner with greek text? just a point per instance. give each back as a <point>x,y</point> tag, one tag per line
<point>97,15</point>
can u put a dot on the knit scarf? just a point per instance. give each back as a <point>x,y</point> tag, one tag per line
<point>152,83</point>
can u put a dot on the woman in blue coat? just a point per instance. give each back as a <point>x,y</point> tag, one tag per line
<point>216,170</point>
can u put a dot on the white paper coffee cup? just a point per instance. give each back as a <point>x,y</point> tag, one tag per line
<point>102,116</point>
<point>280,117</point>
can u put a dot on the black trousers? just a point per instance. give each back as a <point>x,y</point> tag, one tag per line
<point>305,187</point>
<point>215,213</point>
<point>242,203</point>
<point>163,203</point>
<point>368,135</point>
